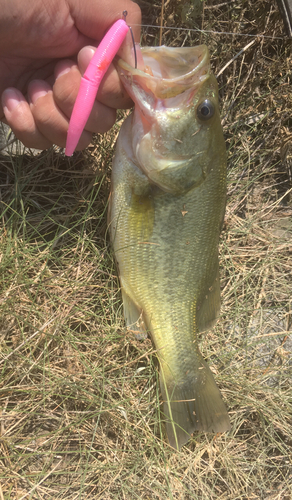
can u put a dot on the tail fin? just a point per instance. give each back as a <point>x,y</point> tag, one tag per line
<point>194,405</point>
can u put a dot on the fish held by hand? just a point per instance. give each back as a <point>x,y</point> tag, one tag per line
<point>166,210</point>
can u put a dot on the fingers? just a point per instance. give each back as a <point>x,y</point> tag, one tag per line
<point>19,117</point>
<point>45,120</point>
<point>49,119</point>
<point>41,123</point>
<point>65,89</point>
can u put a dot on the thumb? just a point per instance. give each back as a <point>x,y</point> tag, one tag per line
<point>93,18</point>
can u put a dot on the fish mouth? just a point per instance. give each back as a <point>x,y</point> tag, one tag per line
<point>168,71</point>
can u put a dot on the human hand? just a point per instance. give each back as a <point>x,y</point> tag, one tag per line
<point>35,43</point>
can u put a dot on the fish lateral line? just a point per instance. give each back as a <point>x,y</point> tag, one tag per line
<point>148,243</point>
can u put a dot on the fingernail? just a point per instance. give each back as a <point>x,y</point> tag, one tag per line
<point>11,98</point>
<point>34,96</point>
<point>62,72</point>
<point>63,67</point>
<point>37,89</point>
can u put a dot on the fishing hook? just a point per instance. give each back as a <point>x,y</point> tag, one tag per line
<point>125,13</point>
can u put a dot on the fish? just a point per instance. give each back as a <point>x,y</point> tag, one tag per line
<point>166,209</point>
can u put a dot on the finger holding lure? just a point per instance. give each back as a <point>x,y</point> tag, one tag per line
<point>92,78</point>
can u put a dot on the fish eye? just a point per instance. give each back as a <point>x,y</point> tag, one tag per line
<point>205,110</point>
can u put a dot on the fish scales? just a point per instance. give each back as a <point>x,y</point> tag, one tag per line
<point>166,210</point>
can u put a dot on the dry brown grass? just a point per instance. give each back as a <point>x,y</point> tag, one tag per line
<point>79,396</point>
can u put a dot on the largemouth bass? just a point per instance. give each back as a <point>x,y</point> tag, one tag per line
<point>166,210</point>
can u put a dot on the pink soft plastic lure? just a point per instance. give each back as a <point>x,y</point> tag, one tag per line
<point>90,82</point>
